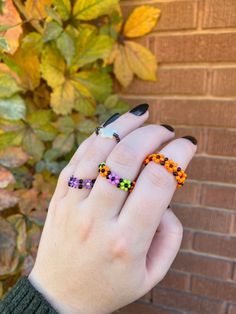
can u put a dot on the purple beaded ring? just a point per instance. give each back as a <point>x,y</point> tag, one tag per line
<point>81,183</point>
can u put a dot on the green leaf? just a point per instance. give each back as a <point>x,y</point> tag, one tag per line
<point>53,66</point>
<point>39,117</point>
<point>4,44</point>
<point>65,124</point>
<point>87,126</point>
<point>46,132</point>
<point>64,143</point>
<point>111,101</point>
<point>10,139</point>
<point>51,31</point>
<point>99,84</point>
<point>85,105</point>
<point>93,48</point>
<point>32,42</point>
<point>63,7</point>
<point>33,146</point>
<point>91,9</point>
<point>8,85</point>
<point>53,14</point>
<point>65,44</point>
<point>12,108</point>
<point>63,98</point>
<point>51,154</point>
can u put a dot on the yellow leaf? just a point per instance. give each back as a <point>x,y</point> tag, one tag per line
<point>36,8</point>
<point>141,61</point>
<point>9,17</point>
<point>53,66</point>
<point>122,69</point>
<point>141,21</point>
<point>63,98</point>
<point>91,9</point>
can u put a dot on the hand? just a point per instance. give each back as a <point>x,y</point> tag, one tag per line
<point>102,249</point>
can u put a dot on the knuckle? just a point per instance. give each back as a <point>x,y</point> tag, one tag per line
<point>178,228</point>
<point>119,248</point>
<point>85,228</point>
<point>159,176</point>
<point>123,155</point>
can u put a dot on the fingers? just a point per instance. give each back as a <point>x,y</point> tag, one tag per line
<point>153,192</point>
<point>100,148</point>
<point>126,160</point>
<point>164,247</point>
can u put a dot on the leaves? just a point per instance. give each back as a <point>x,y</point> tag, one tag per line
<point>8,85</point>
<point>6,178</point>
<point>62,98</point>
<point>36,9</point>
<point>122,69</point>
<point>10,17</point>
<point>91,9</point>
<point>33,145</point>
<point>52,66</point>
<point>12,108</point>
<point>13,157</point>
<point>8,199</point>
<point>141,61</point>
<point>141,21</point>
<point>63,7</point>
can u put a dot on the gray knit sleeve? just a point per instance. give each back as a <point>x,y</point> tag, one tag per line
<point>24,298</point>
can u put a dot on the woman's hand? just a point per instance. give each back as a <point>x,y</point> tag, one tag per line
<point>104,248</point>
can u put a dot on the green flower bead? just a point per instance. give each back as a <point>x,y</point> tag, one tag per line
<point>102,164</point>
<point>125,185</point>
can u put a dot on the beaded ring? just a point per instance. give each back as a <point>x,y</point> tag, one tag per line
<point>179,174</point>
<point>76,183</point>
<point>107,133</point>
<point>113,178</point>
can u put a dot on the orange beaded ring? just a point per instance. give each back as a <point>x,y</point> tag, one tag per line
<point>179,174</point>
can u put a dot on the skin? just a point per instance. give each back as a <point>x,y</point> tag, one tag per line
<point>102,249</point>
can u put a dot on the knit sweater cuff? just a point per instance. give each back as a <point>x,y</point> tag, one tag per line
<point>24,298</point>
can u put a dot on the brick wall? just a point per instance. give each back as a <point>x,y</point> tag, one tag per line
<point>195,44</point>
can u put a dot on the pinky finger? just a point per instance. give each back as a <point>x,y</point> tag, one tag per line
<point>164,248</point>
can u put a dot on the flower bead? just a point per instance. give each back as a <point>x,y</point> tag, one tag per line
<point>171,166</point>
<point>113,178</point>
<point>104,170</point>
<point>125,185</point>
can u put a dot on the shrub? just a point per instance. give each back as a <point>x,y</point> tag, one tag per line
<point>59,59</point>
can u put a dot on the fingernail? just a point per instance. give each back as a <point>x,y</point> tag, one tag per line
<point>191,139</point>
<point>168,127</point>
<point>140,109</point>
<point>111,119</point>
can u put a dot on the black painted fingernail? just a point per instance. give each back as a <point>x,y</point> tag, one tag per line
<point>140,109</point>
<point>191,139</point>
<point>111,119</point>
<point>168,127</point>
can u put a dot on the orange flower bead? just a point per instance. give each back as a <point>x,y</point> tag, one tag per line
<point>159,158</point>
<point>171,166</point>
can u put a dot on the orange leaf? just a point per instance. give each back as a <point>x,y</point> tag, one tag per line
<point>141,21</point>
<point>36,8</point>
<point>9,17</point>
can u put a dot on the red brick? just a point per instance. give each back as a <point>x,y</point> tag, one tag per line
<point>203,112</point>
<point>204,219</point>
<point>232,309</point>
<point>234,273</point>
<point>218,196</point>
<point>187,302</point>
<point>140,308</point>
<point>187,241</point>
<point>215,244</point>
<point>217,289</point>
<point>221,142</point>
<point>189,195</point>
<point>203,265</point>
<point>200,133</point>
<point>171,82</point>
<point>195,48</point>
<point>212,169</point>
<point>223,82</point>
<point>219,14</point>
<point>170,17</point>
<point>176,280</point>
